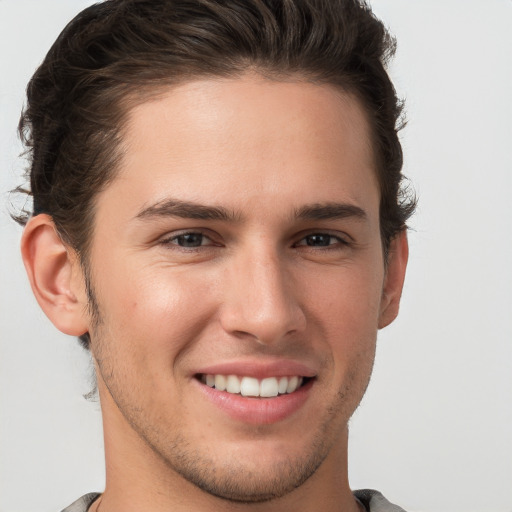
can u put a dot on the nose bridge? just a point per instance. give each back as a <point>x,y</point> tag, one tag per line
<point>261,296</point>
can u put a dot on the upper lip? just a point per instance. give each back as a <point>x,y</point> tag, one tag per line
<point>259,369</point>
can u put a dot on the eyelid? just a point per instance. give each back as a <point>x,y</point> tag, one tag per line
<point>342,237</point>
<point>168,238</point>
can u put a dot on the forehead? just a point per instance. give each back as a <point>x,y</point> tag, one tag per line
<point>247,142</point>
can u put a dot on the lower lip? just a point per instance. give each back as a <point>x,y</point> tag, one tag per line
<point>257,411</point>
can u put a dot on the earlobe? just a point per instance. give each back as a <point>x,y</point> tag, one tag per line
<point>54,274</point>
<point>394,279</point>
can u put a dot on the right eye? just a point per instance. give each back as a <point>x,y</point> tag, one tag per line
<point>188,240</point>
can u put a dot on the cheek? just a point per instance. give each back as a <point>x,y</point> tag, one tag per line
<point>346,312</point>
<point>348,298</point>
<point>154,311</point>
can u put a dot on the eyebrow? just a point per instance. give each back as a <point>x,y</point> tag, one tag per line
<point>190,210</point>
<point>330,211</point>
<point>186,210</point>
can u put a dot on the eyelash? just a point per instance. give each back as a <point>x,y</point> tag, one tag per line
<point>339,243</point>
<point>169,241</point>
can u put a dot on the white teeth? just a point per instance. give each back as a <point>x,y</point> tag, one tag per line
<point>283,385</point>
<point>233,384</point>
<point>292,384</point>
<point>250,386</point>
<point>220,382</point>
<point>268,387</point>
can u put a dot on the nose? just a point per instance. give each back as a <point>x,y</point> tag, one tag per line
<point>261,299</point>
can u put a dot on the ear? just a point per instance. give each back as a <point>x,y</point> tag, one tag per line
<point>394,279</point>
<point>55,276</point>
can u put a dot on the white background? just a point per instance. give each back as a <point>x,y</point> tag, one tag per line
<point>434,432</point>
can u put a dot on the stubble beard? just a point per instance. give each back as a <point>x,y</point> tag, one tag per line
<point>233,480</point>
<point>237,480</point>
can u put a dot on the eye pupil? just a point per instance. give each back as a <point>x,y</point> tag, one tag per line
<point>190,240</point>
<point>318,240</point>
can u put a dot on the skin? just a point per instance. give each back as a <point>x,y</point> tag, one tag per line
<point>264,285</point>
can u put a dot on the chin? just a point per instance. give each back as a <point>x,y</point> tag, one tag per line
<point>252,471</point>
<point>247,483</point>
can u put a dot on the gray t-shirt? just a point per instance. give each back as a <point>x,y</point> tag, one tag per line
<point>372,500</point>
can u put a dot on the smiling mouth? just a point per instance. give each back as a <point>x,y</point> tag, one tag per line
<point>252,387</point>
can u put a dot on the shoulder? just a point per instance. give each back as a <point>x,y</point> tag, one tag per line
<point>375,502</point>
<point>83,503</point>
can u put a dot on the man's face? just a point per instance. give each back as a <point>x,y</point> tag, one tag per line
<point>240,238</point>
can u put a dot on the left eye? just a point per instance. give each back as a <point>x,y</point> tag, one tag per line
<point>320,240</point>
<point>189,240</point>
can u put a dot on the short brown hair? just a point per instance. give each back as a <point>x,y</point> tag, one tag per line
<point>126,49</point>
